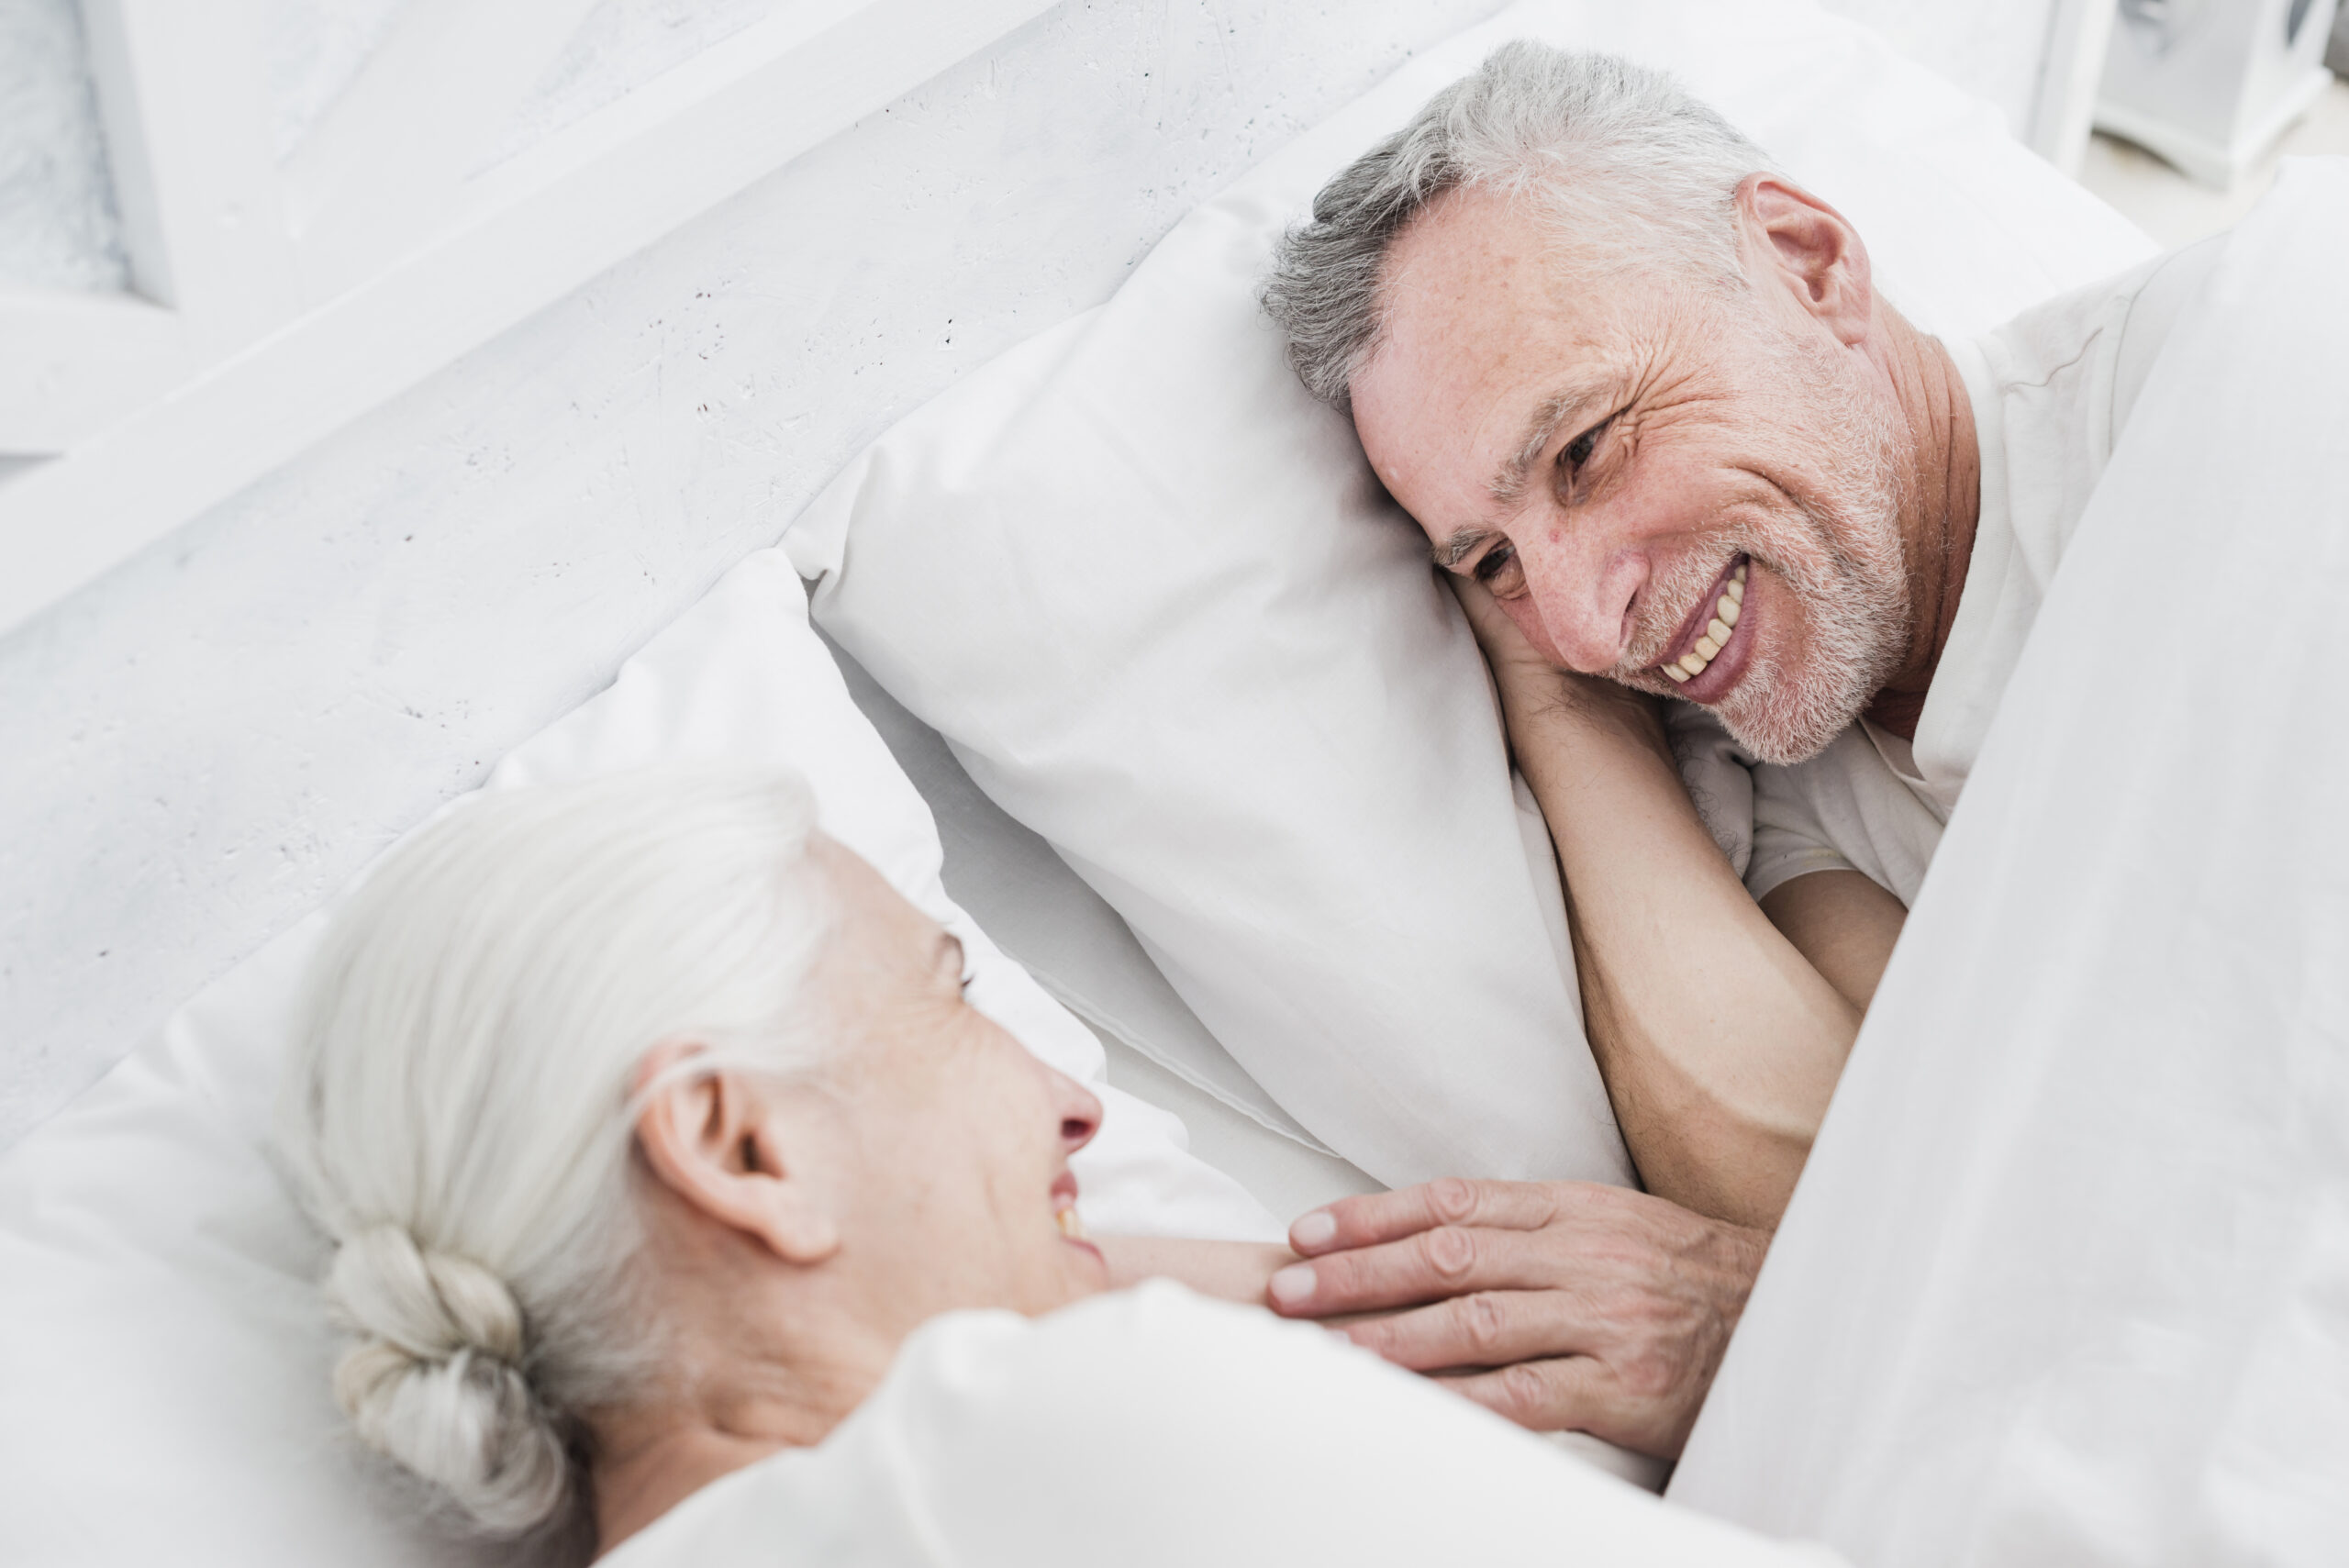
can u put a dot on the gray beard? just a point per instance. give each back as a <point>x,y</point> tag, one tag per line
<point>1858,625</point>
<point>1849,570</point>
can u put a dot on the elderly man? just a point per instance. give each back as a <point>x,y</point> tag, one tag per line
<point>1642,396</point>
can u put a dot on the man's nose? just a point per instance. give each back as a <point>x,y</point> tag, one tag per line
<point>1582,586</point>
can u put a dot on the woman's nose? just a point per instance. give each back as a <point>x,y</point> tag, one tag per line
<point>1080,1112</point>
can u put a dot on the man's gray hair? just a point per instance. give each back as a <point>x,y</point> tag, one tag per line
<point>1629,166</point>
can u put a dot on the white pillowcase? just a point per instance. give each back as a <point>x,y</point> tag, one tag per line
<point>165,1335</point>
<point>1152,594</point>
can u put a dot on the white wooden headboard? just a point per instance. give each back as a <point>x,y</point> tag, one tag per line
<point>274,300</point>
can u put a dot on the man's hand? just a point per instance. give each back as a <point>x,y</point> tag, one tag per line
<point>1564,1306</point>
<point>1530,685</point>
<point>1514,660</point>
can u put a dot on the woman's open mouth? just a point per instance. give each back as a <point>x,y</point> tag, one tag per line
<point>1709,654</point>
<point>1065,1215</point>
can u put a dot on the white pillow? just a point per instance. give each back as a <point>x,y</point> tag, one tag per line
<point>164,1339</point>
<point>1152,594</point>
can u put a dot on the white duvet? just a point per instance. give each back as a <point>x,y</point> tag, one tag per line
<point>2066,1280</point>
<point>1150,1428</point>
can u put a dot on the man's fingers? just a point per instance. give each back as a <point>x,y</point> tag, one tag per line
<point>1504,643</point>
<point>1427,1267</point>
<point>1485,616</point>
<point>1565,1393</point>
<point>1388,1217</point>
<point>1577,1393</point>
<point>1484,1329</point>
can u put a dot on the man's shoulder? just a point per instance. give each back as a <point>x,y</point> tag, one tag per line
<point>2038,345</point>
<point>2105,334</point>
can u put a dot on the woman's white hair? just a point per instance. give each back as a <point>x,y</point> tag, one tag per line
<point>1628,166</point>
<point>459,1108</point>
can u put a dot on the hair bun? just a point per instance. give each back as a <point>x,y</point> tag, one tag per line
<point>436,1380</point>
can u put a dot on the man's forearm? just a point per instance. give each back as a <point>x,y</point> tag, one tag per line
<point>1719,1043</point>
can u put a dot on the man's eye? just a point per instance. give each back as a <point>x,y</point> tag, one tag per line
<point>1490,564</point>
<point>1577,452</point>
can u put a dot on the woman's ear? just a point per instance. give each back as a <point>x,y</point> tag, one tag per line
<point>1805,244</point>
<point>715,1141</point>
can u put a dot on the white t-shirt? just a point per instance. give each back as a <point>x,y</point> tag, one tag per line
<point>2050,391</point>
<point>1151,1427</point>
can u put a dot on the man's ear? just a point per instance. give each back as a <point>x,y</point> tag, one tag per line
<point>715,1141</point>
<point>1808,247</point>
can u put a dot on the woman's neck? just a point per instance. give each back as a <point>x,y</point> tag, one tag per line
<point>651,1457</point>
<point>633,1489</point>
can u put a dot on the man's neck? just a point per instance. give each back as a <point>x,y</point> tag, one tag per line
<point>1941,504</point>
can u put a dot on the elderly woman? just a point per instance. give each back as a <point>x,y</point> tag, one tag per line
<point>683,1206</point>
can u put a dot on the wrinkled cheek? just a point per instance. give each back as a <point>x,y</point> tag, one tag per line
<point>1795,553</point>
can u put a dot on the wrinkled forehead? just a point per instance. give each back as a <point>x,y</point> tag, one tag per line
<point>1479,259</point>
<point>874,924</point>
<point>1489,317</point>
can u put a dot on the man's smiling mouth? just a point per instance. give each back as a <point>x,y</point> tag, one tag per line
<point>1705,636</point>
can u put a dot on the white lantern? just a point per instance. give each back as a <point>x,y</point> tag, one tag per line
<point>2210,84</point>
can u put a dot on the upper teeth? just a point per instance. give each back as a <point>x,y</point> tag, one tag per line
<point>1071,1226</point>
<point>1716,635</point>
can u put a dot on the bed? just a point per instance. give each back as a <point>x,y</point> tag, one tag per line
<point>1158,735</point>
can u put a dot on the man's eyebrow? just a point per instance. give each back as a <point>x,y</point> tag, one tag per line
<point>1507,487</point>
<point>1456,546</point>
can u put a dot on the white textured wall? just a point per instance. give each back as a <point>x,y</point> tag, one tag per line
<point>57,227</point>
<point>197,748</point>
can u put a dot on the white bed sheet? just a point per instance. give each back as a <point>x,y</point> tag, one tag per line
<point>2066,1279</point>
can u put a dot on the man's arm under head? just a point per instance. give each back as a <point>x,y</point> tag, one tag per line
<point>1720,1027</point>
